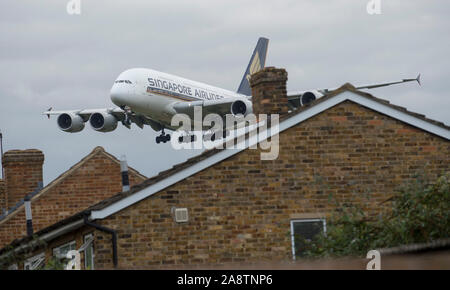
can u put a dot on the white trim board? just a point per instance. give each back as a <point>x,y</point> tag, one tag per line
<point>290,122</point>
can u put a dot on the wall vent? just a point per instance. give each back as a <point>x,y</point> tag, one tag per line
<point>181,215</point>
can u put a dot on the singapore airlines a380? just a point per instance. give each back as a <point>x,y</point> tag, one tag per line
<point>149,97</point>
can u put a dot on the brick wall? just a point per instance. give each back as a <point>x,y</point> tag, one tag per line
<point>240,209</point>
<point>23,171</point>
<point>97,179</point>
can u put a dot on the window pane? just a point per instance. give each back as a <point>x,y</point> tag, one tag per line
<point>89,253</point>
<point>88,258</point>
<point>64,249</point>
<point>304,232</point>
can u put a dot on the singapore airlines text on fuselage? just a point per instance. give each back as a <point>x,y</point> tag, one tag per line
<point>180,91</point>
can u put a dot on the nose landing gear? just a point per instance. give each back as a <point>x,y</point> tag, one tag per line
<point>163,137</point>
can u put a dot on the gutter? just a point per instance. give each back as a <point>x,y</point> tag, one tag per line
<point>106,230</point>
<point>45,237</point>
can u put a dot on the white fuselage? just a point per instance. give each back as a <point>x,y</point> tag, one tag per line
<point>152,93</point>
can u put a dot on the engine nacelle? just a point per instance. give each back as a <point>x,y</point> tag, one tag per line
<point>309,96</point>
<point>241,107</point>
<point>103,122</point>
<point>70,122</point>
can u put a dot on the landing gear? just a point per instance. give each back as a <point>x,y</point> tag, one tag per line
<point>127,120</point>
<point>163,137</point>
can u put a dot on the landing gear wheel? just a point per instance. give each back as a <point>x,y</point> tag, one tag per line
<point>163,137</point>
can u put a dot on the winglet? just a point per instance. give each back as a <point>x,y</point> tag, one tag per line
<point>418,80</point>
<point>49,109</point>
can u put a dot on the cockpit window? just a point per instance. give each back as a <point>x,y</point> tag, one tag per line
<point>122,81</point>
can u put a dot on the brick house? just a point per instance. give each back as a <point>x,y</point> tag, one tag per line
<point>229,206</point>
<point>94,178</point>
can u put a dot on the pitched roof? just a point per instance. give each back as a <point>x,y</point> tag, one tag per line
<point>97,150</point>
<point>210,157</point>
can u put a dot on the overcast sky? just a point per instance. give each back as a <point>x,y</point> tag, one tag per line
<point>50,58</point>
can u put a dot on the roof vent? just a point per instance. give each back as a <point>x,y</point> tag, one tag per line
<point>181,215</point>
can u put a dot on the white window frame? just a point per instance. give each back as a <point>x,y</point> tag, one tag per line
<point>323,220</point>
<point>30,261</point>
<point>56,250</point>
<point>91,246</point>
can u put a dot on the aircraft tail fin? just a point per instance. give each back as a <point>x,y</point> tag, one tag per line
<point>257,62</point>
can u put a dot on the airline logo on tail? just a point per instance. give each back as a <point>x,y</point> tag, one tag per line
<point>255,66</point>
<point>257,62</point>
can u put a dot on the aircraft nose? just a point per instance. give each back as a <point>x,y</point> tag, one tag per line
<point>118,95</point>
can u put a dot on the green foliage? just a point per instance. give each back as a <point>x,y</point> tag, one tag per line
<point>55,264</point>
<point>420,213</point>
<point>13,257</point>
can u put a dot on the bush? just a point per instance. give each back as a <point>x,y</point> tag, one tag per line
<point>420,213</point>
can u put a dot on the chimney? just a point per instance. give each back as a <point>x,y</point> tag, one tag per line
<point>3,197</point>
<point>23,171</point>
<point>269,94</point>
<point>124,173</point>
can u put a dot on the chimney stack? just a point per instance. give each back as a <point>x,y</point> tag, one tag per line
<point>23,172</point>
<point>124,173</point>
<point>269,94</point>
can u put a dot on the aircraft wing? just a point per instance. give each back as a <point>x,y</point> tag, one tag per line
<point>220,107</point>
<point>300,98</point>
<point>125,118</point>
<point>373,86</point>
<point>86,113</point>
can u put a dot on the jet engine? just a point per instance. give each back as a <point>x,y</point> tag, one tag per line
<point>309,96</point>
<point>103,122</point>
<point>243,107</point>
<point>70,122</point>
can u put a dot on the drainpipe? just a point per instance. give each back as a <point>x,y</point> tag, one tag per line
<point>106,230</point>
<point>28,216</point>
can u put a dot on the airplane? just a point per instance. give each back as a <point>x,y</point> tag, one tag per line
<point>149,97</point>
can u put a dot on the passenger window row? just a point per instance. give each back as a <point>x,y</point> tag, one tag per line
<point>123,81</point>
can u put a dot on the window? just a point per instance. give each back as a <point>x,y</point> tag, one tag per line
<point>89,252</point>
<point>305,229</point>
<point>61,251</point>
<point>34,262</point>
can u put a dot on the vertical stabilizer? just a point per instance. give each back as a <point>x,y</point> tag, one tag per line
<point>257,62</point>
